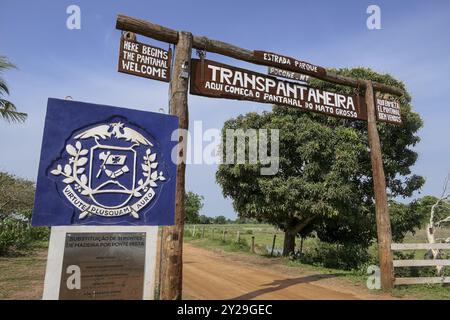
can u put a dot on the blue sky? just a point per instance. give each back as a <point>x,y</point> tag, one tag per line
<point>54,61</point>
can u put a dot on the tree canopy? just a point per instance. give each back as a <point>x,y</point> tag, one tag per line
<point>193,204</point>
<point>324,182</point>
<point>16,195</point>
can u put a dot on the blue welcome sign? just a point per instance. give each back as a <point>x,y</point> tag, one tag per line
<point>103,165</point>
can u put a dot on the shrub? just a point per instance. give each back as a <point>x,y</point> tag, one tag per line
<point>241,246</point>
<point>16,235</point>
<point>337,256</point>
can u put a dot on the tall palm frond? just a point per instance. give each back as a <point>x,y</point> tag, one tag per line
<point>8,110</point>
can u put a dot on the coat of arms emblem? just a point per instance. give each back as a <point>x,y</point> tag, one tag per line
<point>108,169</point>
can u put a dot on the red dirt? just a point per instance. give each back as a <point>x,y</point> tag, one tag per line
<point>217,275</point>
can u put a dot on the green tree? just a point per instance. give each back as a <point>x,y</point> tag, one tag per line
<point>324,180</point>
<point>205,220</point>
<point>193,205</point>
<point>220,220</point>
<point>405,218</point>
<point>8,110</point>
<point>423,207</point>
<point>16,195</point>
<point>16,205</point>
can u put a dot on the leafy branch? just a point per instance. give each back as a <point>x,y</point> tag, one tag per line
<point>151,177</point>
<point>77,160</point>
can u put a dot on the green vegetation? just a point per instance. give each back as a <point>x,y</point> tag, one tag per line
<point>16,205</point>
<point>324,182</point>
<point>8,110</point>
<point>22,277</point>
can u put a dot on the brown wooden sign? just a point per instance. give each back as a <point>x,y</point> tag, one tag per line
<point>277,72</point>
<point>215,79</point>
<point>388,111</point>
<point>144,60</point>
<point>288,63</point>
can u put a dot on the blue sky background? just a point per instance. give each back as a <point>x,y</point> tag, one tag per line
<point>413,45</point>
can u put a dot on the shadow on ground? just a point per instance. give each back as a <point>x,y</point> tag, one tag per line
<point>285,283</point>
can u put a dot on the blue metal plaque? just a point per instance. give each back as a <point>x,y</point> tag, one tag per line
<point>103,165</point>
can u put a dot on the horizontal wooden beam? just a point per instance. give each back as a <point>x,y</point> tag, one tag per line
<point>420,246</point>
<point>424,280</point>
<point>421,263</point>
<point>164,34</point>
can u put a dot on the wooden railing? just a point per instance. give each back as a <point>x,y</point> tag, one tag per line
<point>421,263</point>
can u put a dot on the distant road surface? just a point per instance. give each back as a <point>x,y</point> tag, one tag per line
<point>213,275</point>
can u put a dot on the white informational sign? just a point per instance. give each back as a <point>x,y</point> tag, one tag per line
<point>101,262</point>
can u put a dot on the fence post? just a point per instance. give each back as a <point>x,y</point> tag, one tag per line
<point>273,244</point>
<point>253,244</point>
<point>223,235</point>
<point>238,237</point>
<point>301,246</point>
<point>193,232</point>
<point>203,232</point>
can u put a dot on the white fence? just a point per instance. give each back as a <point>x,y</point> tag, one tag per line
<point>421,263</point>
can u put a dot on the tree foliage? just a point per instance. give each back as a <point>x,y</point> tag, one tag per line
<point>423,207</point>
<point>8,110</point>
<point>193,204</point>
<point>324,182</point>
<point>16,205</point>
<point>16,195</point>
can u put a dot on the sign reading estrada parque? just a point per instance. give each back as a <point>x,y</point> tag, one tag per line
<point>288,63</point>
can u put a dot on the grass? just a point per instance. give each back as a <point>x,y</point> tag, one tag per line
<point>22,276</point>
<point>264,236</point>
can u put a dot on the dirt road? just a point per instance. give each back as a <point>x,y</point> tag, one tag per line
<point>214,275</point>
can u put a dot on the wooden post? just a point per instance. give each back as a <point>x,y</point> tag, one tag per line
<point>172,277</point>
<point>253,244</point>
<point>223,235</point>
<point>301,246</point>
<point>203,232</point>
<point>238,237</point>
<point>379,187</point>
<point>193,232</point>
<point>273,244</point>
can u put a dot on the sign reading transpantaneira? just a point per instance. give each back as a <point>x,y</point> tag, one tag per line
<point>215,79</point>
<point>144,60</point>
<point>288,63</point>
<point>388,111</point>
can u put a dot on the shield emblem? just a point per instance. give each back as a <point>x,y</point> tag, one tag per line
<point>112,175</point>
